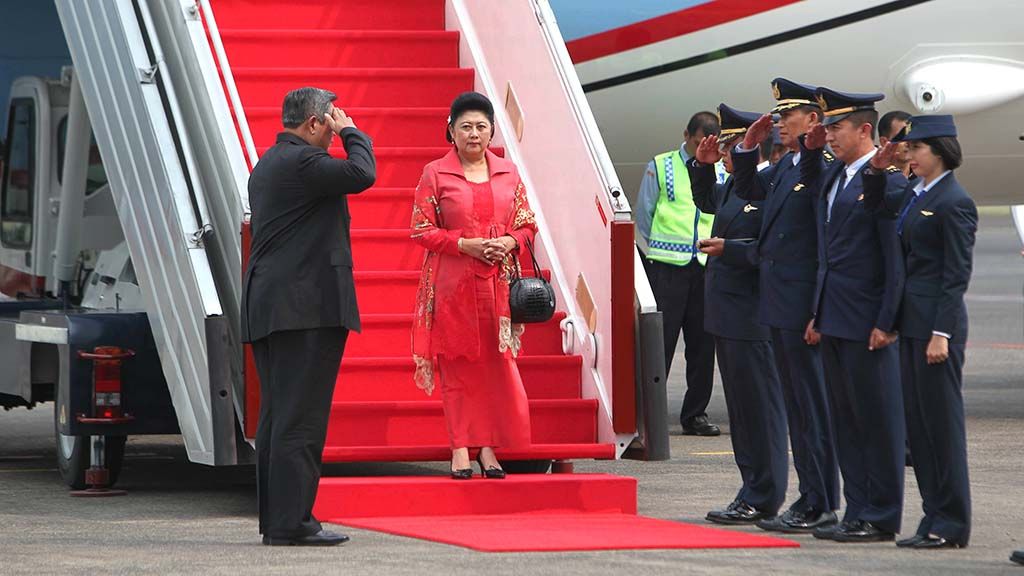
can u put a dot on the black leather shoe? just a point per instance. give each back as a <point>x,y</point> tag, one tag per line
<point>861,531</point>
<point>321,538</point>
<point>909,542</point>
<point>806,522</point>
<point>699,426</point>
<point>934,542</point>
<point>739,512</point>
<point>828,532</point>
<point>1017,556</point>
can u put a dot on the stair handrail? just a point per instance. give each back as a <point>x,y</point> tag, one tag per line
<point>584,115</point>
<point>229,81</point>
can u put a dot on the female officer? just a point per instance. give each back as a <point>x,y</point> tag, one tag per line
<point>936,220</point>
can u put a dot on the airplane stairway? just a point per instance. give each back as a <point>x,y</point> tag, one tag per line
<point>395,70</point>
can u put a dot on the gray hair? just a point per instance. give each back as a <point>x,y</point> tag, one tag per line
<point>301,103</point>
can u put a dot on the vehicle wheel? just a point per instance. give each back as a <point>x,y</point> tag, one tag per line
<point>74,455</point>
<point>527,466</point>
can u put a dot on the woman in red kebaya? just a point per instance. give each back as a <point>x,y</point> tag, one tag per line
<point>472,217</point>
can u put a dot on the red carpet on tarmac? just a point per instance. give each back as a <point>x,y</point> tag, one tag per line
<point>523,513</point>
<point>544,532</point>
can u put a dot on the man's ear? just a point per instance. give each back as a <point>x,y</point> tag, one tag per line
<point>686,135</point>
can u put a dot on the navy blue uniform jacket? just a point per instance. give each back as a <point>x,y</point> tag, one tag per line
<point>860,269</point>
<point>788,243</point>
<point>731,281</point>
<point>937,242</point>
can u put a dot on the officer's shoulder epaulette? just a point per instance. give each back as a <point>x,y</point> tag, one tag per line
<point>892,169</point>
<point>829,158</point>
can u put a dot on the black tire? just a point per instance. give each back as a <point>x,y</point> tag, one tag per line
<point>527,466</point>
<point>74,455</point>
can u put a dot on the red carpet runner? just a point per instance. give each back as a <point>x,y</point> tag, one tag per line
<point>395,70</point>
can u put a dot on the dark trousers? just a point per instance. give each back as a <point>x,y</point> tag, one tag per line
<point>810,422</point>
<point>867,411</point>
<point>757,420</point>
<point>934,404</point>
<point>679,292</point>
<point>297,370</point>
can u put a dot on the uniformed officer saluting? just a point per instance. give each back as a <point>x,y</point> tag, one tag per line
<point>857,296</point>
<point>753,394</point>
<point>936,220</point>
<point>788,249</point>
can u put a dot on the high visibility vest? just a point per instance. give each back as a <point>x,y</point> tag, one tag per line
<point>678,224</point>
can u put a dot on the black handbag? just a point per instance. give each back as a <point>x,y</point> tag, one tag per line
<point>531,298</point>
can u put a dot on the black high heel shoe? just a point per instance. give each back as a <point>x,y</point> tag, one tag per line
<point>491,473</point>
<point>463,473</point>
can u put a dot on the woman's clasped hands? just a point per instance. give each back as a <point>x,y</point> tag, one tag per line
<point>489,250</point>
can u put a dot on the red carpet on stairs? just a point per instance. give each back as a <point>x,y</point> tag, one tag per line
<point>396,70</point>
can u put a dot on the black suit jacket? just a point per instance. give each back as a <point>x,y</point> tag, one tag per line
<point>788,243</point>
<point>300,268</point>
<point>938,243</point>
<point>860,269</point>
<point>731,281</point>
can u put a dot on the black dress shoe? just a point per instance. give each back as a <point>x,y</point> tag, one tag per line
<point>1017,556</point>
<point>321,538</point>
<point>934,542</point>
<point>699,426</point>
<point>827,532</point>
<point>739,512</point>
<point>462,474</point>
<point>861,531</point>
<point>794,522</point>
<point>909,542</point>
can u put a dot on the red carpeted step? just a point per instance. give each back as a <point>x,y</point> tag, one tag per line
<point>379,379</point>
<point>379,497</point>
<point>385,292</point>
<point>389,127</point>
<point>343,48</point>
<point>370,87</point>
<point>388,336</point>
<point>421,423</point>
<point>382,208</point>
<point>332,15</point>
<point>385,250</point>
<point>442,452</point>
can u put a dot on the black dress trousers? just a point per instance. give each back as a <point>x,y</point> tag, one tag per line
<point>297,370</point>
<point>679,292</point>
<point>934,404</point>
<point>757,420</point>
<point>867,411</point>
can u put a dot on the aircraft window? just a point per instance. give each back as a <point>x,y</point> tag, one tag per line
<point>18,192</point>
<point>95,175</point>
<point>128,273</point>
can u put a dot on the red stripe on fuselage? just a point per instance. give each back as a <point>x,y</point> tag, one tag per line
<point>15,283</point>
<point>667,26</point>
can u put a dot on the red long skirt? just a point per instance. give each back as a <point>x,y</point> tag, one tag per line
<point>484,400</point>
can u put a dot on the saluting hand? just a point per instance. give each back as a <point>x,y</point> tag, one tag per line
<point>880,339</point>
<point>707,150</point>
<point>337,120</point>
<point>885,156</point>
<point>816,136</point>
<point>758,131</point>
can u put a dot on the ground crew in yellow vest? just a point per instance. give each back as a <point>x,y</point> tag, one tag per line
<point>671,225</point>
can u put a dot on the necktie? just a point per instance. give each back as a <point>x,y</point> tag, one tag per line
<point>906,210</point>
<point>839,190</point>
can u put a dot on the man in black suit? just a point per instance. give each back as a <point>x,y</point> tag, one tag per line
<point>753,393</point>
<point>299,303</point>
<point>857,299</point>
<point>788,251</point>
